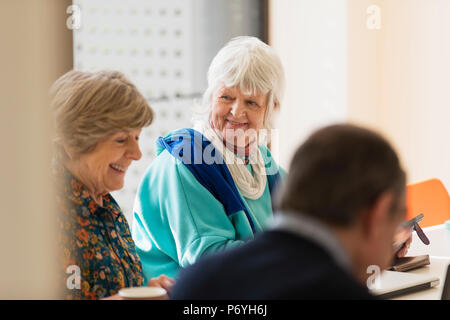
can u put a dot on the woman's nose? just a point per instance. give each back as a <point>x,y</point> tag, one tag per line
<point>237,108</point>
<point>134,152</point>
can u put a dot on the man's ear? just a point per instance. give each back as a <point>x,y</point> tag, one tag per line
<point>377,215</point>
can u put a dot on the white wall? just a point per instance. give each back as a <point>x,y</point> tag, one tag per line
<point>395,79</point>
<point>310,37</point>
<point>415,85</point>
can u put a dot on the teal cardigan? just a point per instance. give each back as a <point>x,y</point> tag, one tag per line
<point>177,220</point>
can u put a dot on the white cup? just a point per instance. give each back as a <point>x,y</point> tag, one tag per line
<point>143,293</point>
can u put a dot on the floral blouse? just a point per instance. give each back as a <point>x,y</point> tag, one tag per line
<point>95,242</point>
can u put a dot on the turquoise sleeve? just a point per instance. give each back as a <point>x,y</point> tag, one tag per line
<point>183,219</point>
<point>196,218</point>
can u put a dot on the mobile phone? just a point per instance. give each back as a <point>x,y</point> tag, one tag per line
<point>404,231</point>
<point>410,223</point>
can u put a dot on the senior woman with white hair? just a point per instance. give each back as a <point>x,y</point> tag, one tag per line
<point>210,187</point>
<point>98,119</point>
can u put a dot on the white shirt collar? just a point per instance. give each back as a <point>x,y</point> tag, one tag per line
<point>316,231</point>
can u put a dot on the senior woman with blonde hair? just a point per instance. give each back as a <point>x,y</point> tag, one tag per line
<point>210,187</point>
<point>98,119</point>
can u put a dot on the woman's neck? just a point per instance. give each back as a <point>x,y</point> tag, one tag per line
<point>98,199</point>
<point>242,153</point>
<point>93,192</point>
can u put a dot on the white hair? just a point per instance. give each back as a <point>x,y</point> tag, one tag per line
<point>254,67</point>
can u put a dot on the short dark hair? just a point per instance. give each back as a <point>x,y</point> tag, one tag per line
<point>339,171</point>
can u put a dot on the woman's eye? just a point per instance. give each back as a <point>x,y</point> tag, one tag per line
<point>121,140</point>
<point>252,103</point>
<point>225,97</point>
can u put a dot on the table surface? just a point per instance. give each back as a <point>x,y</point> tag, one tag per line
<point>439,251</point>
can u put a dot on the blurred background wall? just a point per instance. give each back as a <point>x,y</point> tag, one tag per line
<point>36,48</point>
<point>393,77</point>
<point>414,84</point>
<point>311,39</point>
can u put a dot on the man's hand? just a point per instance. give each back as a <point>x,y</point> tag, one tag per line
<point>404,249</point>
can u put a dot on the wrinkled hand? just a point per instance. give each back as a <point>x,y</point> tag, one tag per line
<point>404,249</point>
<point>162,281</point>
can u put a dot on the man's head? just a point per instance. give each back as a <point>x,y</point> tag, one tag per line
<point>350,179</point>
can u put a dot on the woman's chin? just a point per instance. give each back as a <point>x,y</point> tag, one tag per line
<point>231,143</point>
<point>116,185</point>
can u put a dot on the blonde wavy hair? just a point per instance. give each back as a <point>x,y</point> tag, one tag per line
<point>90,106</point>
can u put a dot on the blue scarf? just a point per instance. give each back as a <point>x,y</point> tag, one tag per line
<point>188,146</point>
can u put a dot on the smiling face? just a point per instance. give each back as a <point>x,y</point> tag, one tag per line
<point>103,169</point>
<point>237,117</point>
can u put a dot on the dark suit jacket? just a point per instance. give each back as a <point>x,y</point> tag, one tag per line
<point>275,265</point>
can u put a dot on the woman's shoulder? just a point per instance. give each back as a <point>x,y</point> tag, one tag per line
<point>165,171</point>
<point>265,151</point>
<point>164,162</point>
<point>266,154</point>
<point>270,163</point>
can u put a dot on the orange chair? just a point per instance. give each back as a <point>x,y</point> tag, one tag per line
<point>430,198</point>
